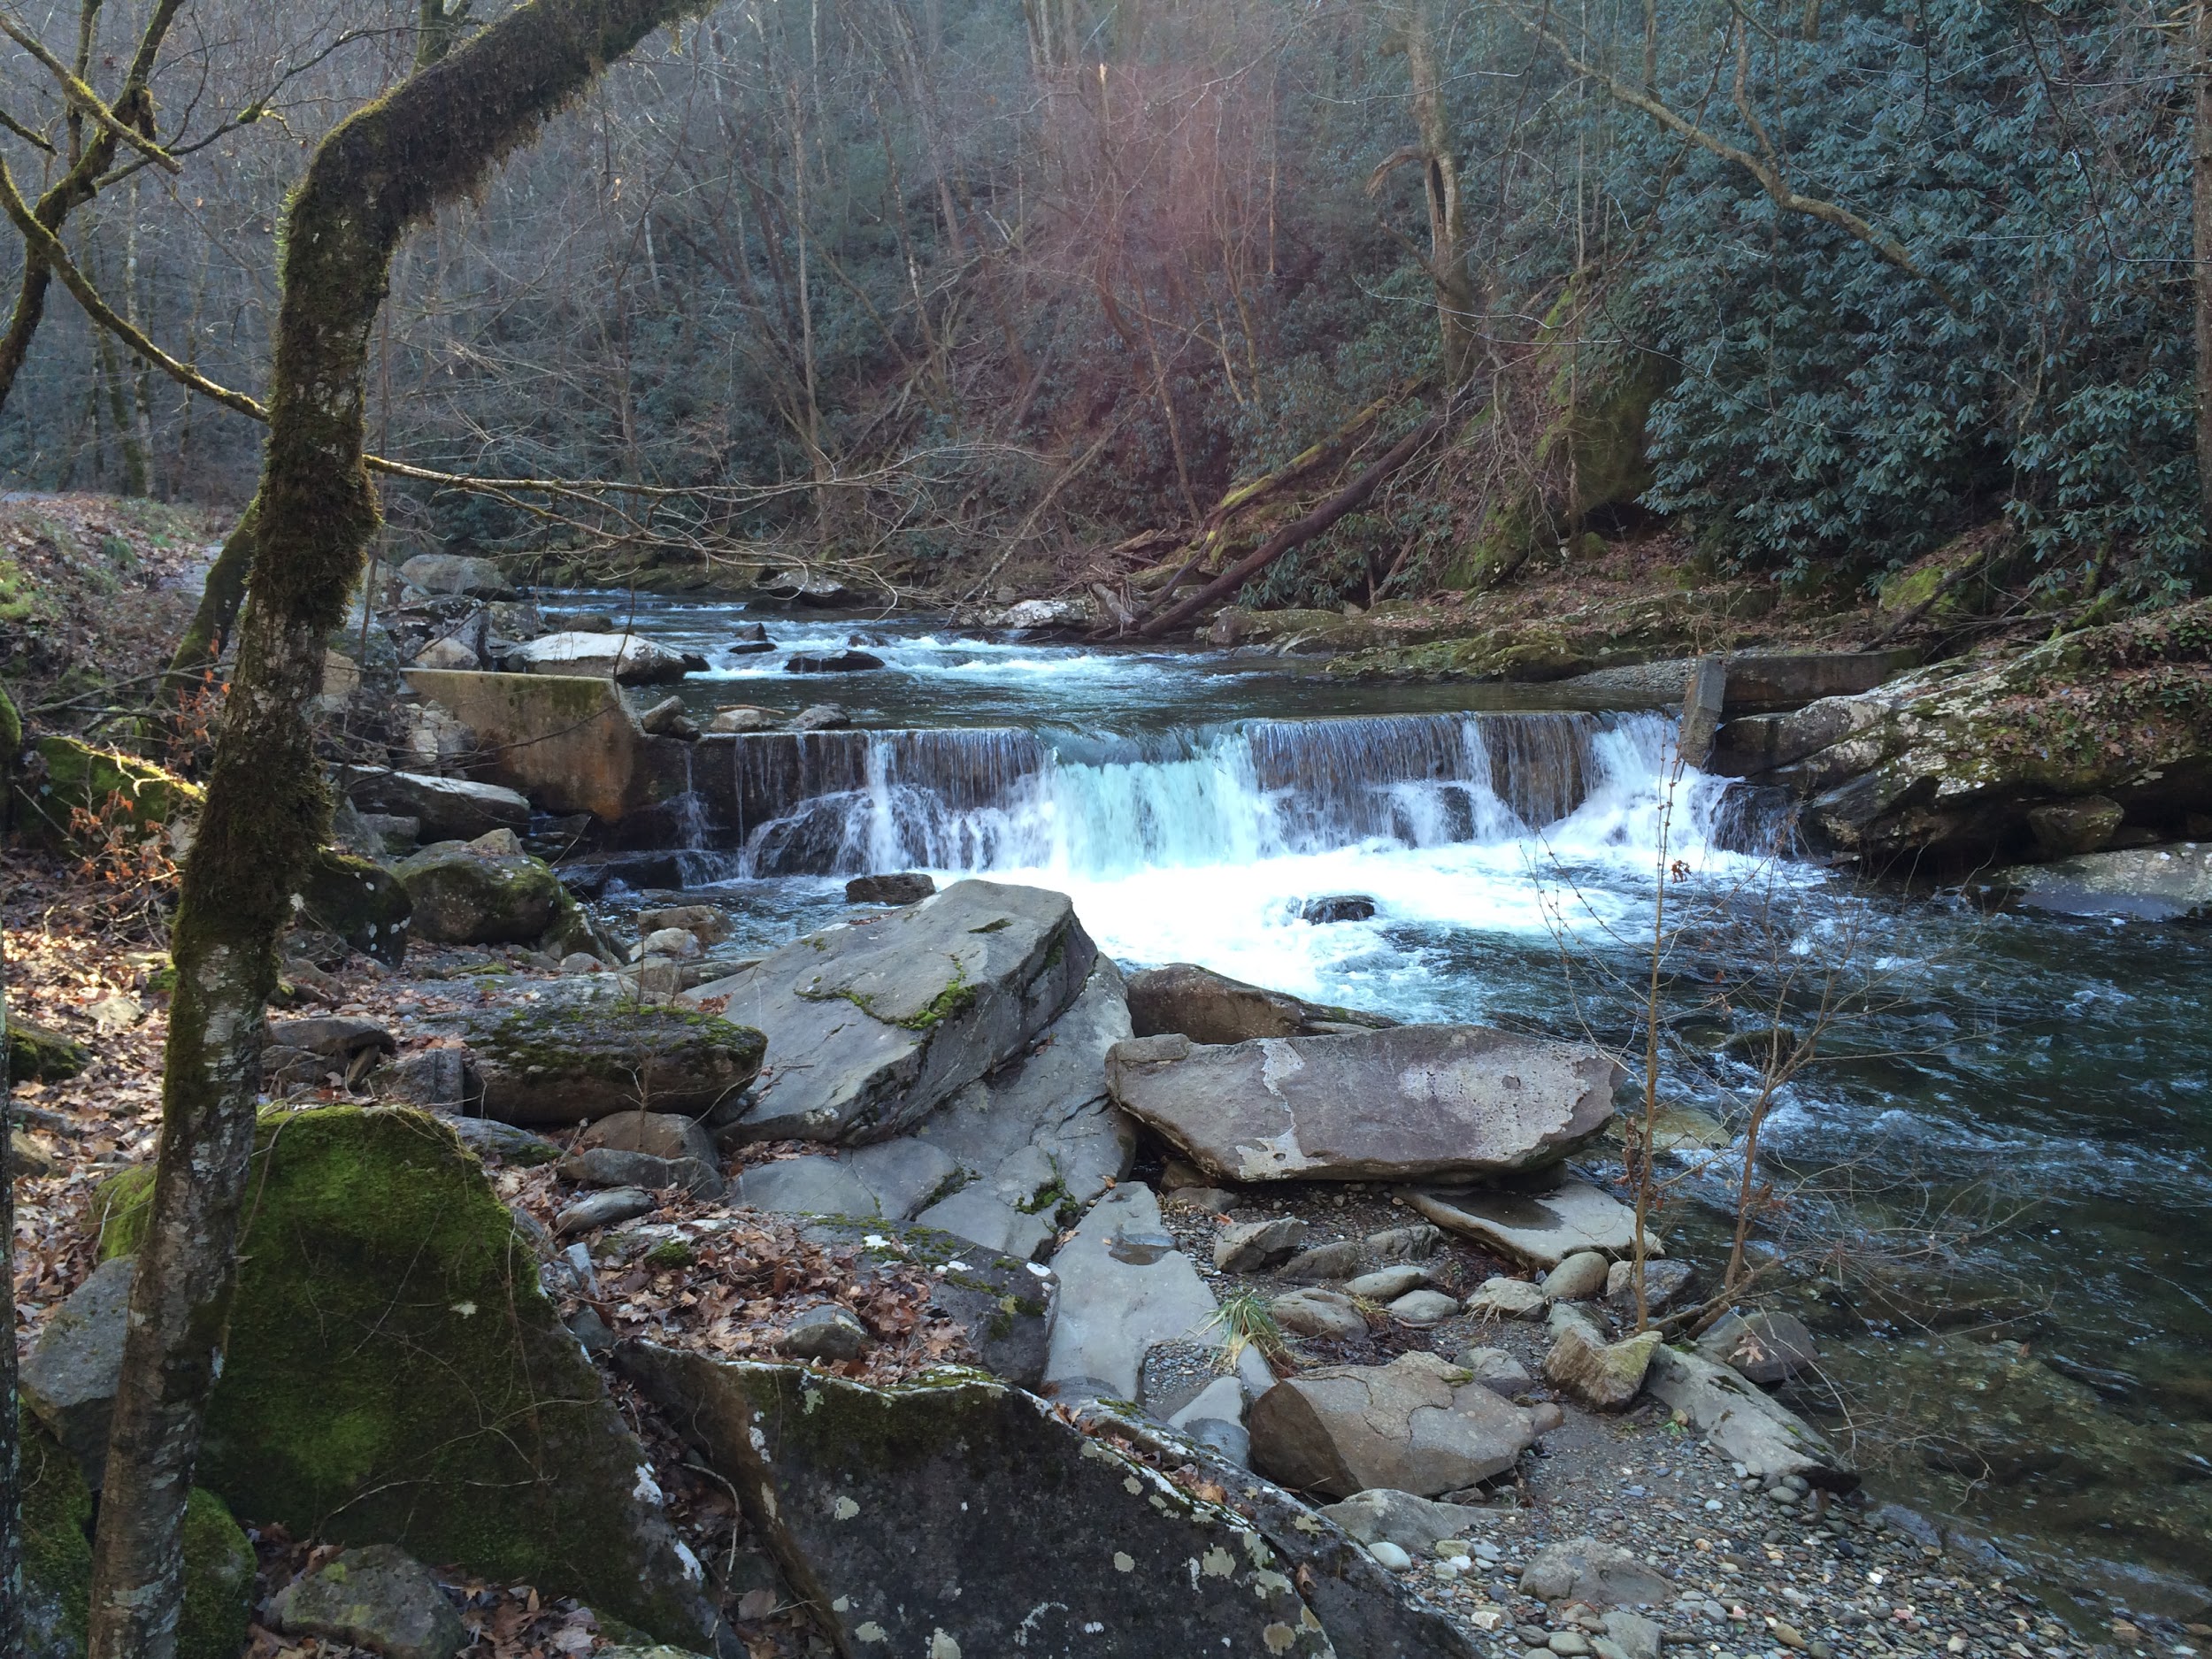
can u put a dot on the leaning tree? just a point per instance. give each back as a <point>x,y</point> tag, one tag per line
<point>385,169</point>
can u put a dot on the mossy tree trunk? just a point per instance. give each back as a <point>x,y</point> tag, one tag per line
<point>217,613</point>
<point>385,168</point>
<point>11,1454</point>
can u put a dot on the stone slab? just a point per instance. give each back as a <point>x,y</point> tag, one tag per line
<point>1540,1229</point>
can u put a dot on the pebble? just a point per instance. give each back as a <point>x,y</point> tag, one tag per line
<point>1389,1556</point>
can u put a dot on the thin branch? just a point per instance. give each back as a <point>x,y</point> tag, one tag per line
<point>86,99</point>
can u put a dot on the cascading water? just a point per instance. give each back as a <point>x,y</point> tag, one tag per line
<point>998,801</point>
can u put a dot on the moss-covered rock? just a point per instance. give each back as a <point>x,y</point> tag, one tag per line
<point>357,900</point>
<point>955,1515</point>
<point>393,1373</point>
<point>463,895</point>
<point>565,1059</point>
<point>218,1563</point>
<point>39,1054</point>
<point>61,776</point>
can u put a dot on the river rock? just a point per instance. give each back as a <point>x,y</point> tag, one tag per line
<point>1334,1263</point>
<point>394,1373</point>
<point>1411,1102</point>
<point>1005,1307</point>
<point>68,1379</point>
<point>1768,1348</point>
<point>626,658</point>
<point>704,922</point>
<point>1322,1313</point>
<point>573,1055</point>
<point>1595,1573</point>
<point>1578,1278</point>
<point>1212,1008</point>
<point>1418,1425</point>
<point>1744,1424</point>
<point>609,1166</point>
<point>1125,1289</point>
<point>1664,1282</point>
<point>1539,1228</point>
<point>1498,1370</point>
<point>1337,907</point>
<point>1423,1308</point>
<point>2067,828</point>
<point>448,809</point>
<point>1600,1375</point>
<point>1367,1612</point>
<point>2151,884</point>
<point>829,1332</point>
<point>602,1209</point>
<point>372,1596</point>
<point>820,717</point>
<point>831,663</point>
<point>671,944</point>
<point>963,1517</point>
<point>1414,1243</point>
<point>872,1026</point>
<point>449,653</point>
<point>1253,1246</point>
<point>334,1036</point>
<point>744,716</point>
<point>908,888</point>
<point>1414,1524</point>
<point>1038,1132</point>
<point>663,1135</point>
<point>1499,1298</point>
<point>357,900</point>
<point>1387,1284</point>
<point>456,573</point>
<point>463,895</point>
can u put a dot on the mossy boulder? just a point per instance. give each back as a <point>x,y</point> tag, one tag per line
<point>357,900</point>
<point>568,1059</point>
<point>39,1054</point>
<point>955,1515</point>
<point>465,894</point>
<point>393,1373</point>
<point>60,776</point>
<point>218,1563</point>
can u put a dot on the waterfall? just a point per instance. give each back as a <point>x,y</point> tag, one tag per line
<point>992,799</point>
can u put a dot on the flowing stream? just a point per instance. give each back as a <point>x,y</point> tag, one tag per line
<point>1996,1167</point>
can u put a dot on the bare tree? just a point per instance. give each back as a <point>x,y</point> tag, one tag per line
<point>382,170</point>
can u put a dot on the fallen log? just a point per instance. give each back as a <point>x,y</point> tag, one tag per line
<point>1349,499</point>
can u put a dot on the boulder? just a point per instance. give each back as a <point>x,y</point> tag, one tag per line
<point>663,1135</point>
<point>68,1379</point>
<point>56,1521</point>
<point>704,922</point>
<point>2151,884</point>
<point>625,658</point>
<point>1387,1284</point>
<point>1367,1612</point>
<point>132,798</point>
<point>1578,1278</point>
<point>870,1027</point>
<point>1414,1524</point>
<point>1743,1424</point>
<point>1768,1348</point>
<point>1212,1008</point>
<point>1412,1103</point>
<point>1335,1263</point>
<point>463,896</point>
<point>820,716</point>
<point>744,716</point>
<point>825,1332</point>
<point>910,888</point>
<point>1322,1313</point>
<point>669,944</point>
<point>456,573</point>
<point>668,719</point>
<point>572,744</point>
<point>1124,1289</point>
<point>1951,760</point>
<point>1253,1246</point>
<point>831,663</point>
<point>1005,1307</point>
<point>1595,1573</point>
<point>1337,907</point>
<point>572,1056</point>
<point>448,809</point>
<point>372,1596</point>
<point>1423,1308</point>
<point>608,1167</point>
<point>440,1406</point>
<point>1664,1282</point>
<point>2065,828</point>
<point>439,1078</point>
<point>445,652</point>
<point>358,900</point>
<point>1498,1370</point>
<point>959,1515</point>
<point>333,1036</point>
<point>1041,615</point>
<point>1600,1375</point>
<point>39,1054</point>
<point>1539,1228</point>
<point>1418,1425</point>
<point>606,1209</point>
<point>1414,1243</point>
<point>1038,1132</point>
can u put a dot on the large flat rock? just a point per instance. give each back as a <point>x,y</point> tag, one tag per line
<point>1210,1007</point>
<point>1418,1425</point>
<point>1541,1229</point>
<point>873,1026</point>
<point>960,1517</point>
<point>2151,884</point>
<point>1413,1103</point>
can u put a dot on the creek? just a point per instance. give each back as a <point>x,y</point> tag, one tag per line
<point>1992,1176</point>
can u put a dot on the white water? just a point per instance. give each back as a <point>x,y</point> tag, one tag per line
<point>1514,823</point>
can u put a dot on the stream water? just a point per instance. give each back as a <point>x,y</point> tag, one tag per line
<point>1991,1178</point>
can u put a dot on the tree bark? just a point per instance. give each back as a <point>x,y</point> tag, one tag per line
<point>383,170</point>
<point>221,595</point>
<point>11,1454</point>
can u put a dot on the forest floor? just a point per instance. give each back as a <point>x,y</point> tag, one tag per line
<point>1757,1576</point>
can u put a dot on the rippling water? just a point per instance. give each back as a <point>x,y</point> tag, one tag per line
<point>2005,1136</point>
